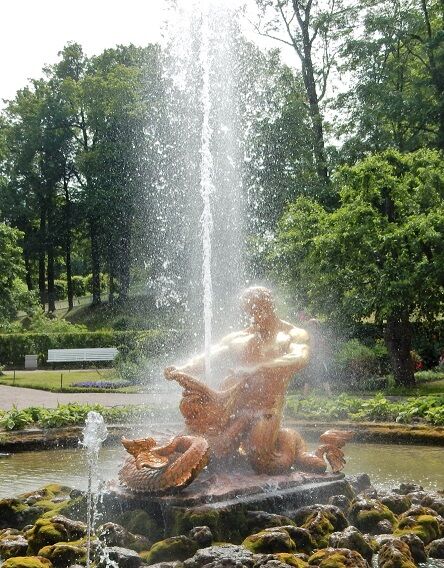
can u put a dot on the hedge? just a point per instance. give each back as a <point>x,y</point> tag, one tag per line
<point>14,346</point>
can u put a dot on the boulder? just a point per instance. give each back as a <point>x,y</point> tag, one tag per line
<point>173,548</point>
<point>359,482</point>
<point>337,558</point>
<point>12,544</point>
<point>260,520</point>
<point>414,543</point>
<point>340,501</point>
<point>202,536</point>
<point>15,513</point>
<point>219,556</point>
<point>434,502</point>
<point>51,531</point>
<point>321,521</point>
<point>397,503</point>
<point>384,527</point>
<point>365,514</point>
<point>123,557</point>
<point>406,488</point>
<point>270,541</point>
<point>26,562</point>
<point>353,539</point>
<point>395,554</point>
<point>63,554</point>
<point>116,535</point>
<point>436,548</point>
<point>423,522</point>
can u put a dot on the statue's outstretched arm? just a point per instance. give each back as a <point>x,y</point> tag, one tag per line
<point>294,360</point>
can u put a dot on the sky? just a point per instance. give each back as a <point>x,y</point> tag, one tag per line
<point>34,31</point>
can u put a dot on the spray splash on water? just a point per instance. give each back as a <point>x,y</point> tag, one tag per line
<point>94,434</point>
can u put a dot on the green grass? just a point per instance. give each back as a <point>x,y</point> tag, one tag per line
<point>50,380</point>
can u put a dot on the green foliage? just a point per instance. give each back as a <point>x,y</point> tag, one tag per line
<point>40,322</point>
<point>61,289</point>
<point>14,346</point>
<point>13,293</point>
<point>79,286</point>
<point>428,409</point>
<point>67,415</point>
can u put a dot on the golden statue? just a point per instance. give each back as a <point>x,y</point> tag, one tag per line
<point>244,415</point>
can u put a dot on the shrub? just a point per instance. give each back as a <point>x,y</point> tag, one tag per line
<point>357,365</point>
<point>147,343</point>
<point>104,280</point>
<point>61,289</point>
<point>79,286</point>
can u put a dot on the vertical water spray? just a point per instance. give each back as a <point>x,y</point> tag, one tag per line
<point>94,434</point>
<point>206,187</point>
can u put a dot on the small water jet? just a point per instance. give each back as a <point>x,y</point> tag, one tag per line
<point>95,433</point>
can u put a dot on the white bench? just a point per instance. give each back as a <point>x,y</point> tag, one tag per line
<point>82,355</point>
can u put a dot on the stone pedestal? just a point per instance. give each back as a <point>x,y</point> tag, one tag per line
<point>222,500</point>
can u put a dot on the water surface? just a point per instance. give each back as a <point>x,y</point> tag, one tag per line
<point>387,464</point>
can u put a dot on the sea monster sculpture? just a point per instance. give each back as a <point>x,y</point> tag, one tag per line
<point>242,417</point>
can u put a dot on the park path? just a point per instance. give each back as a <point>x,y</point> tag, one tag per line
<point>22,398</point>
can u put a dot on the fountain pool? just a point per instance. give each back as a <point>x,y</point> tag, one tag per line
<point>386,464</point>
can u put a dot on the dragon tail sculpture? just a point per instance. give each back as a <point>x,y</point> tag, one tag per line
<point>155,469</point>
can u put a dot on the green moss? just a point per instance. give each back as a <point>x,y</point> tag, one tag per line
<point>225,524</point>
<point>140,522</point>
<point>320,528</point>
<point>291,560</point>
<point>329,558</point>
<point>426,527</point>
<point>64,554</point>
<point>269,542</point>
<point>173,548</point>
<point>366,516</point>
<point>27,562</point>
<point>44,532</point>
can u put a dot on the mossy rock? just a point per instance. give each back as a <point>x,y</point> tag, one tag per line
<point>230,524</point>
<point>353,539</point>
<point>173,548</point>
<point>337,558</point>
<point>320,527</point>
<point>16,514</point>
<point>321,521</point>
<point>259,520</point>
<point>291,560</point>
<point>44,532</point>
<point>366,514</point>
<point>51,531</point>
<point>397,503</point>
<point>75,509</point>
<point>12,544</point>
<point>269,542</point>
<point>140,522</point>
<point>63,554</point>
<point>426,527</point>
<point>395,554</point>
<point>27,562</point>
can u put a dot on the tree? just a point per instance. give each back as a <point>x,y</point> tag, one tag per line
<point>13,293</point>
<point>314,30</point>
<point>396,64</point>
<point>380,254</point>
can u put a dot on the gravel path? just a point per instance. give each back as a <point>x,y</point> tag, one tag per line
<point>22,398</point>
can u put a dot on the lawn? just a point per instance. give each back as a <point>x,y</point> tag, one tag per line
<point>51,380</point>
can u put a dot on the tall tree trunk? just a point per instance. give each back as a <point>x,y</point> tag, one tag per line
<point>124,265</point>
<point>68,245</point>
<point>95,262</point>
<point>28,268</point>
<point>50,251</point>
<point>42,256</point>
<point>398,339</point>
<point>316,118</point>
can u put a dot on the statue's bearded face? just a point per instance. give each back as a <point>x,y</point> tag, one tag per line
<point>258,304</point>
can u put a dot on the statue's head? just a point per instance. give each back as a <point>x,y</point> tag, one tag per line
<point>258,303</point>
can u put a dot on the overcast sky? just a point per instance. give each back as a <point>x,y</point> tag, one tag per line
<point>34,31</point>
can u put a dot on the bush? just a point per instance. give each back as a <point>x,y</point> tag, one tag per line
<point>79,286</point>
<point>357,365</point>
<point>147,343</point>
<point>103,282</point>
<point>61,289</point>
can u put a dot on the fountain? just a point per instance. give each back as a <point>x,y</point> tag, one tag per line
<point>94,434</point>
